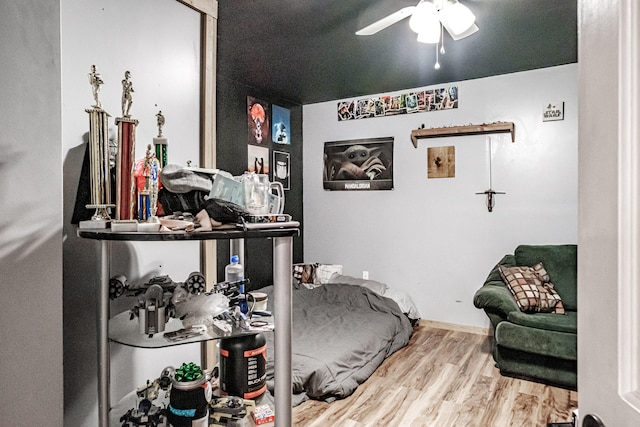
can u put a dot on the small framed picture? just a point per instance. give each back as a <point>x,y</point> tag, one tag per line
<point>282,168</point>
<point>258,159</point>
<point>281,125</point>
<point>553,111</point>
<point>258,121</point>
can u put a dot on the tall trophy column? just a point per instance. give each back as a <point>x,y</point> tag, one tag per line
<point>99,175</point>
<point>125,183</point>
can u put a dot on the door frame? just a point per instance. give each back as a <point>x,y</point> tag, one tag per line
<point>609,211</point>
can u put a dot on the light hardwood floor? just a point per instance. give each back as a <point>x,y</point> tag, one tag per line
<point>443,378</point>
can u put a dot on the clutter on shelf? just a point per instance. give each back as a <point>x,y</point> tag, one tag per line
<point>191,396</point>
<point>227,305</point>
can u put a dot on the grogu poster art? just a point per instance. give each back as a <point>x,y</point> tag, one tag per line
<point>359,164</point>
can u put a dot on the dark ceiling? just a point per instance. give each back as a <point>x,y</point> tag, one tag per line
<point>306,51</point>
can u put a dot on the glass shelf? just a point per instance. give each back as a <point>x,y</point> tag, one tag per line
<point>220,234</point>
<point>126,331</point>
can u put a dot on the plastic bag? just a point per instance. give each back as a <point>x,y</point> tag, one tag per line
<point>198,308</point>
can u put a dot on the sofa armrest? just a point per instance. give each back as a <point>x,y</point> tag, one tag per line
<point>494,295</point>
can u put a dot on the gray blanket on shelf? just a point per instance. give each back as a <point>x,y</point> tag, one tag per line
<point>340,335</point>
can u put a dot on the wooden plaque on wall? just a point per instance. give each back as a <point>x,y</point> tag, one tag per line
<point>442,162</point>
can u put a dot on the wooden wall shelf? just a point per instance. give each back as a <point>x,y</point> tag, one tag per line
<point>500,127</point>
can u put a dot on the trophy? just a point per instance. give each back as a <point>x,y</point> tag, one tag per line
<point>160,143</point>
<point>100,178</point>
<point>125,183</point>
<point>148,195</point>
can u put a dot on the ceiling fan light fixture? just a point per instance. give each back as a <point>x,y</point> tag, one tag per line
<point>424,16</point>
<point>428,18</point>
<point>456,17</point>
<point>429,34</point>
<point>454,36</point>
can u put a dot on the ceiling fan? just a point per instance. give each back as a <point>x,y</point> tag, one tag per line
<point>426,20</point>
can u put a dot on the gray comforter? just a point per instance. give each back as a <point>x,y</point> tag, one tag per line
<point>340,335</point>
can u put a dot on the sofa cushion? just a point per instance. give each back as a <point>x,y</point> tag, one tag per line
<point>546,321</point>
<point>561,262</point>
<point>562,345</point>
<point>531,288</point>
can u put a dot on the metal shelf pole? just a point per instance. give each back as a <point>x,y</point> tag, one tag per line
<point>104,400</point>
<point>282,264</point>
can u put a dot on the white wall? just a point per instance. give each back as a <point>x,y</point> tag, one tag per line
<point>158,41</point>
<point>435,237</point>
<point>31,374</point>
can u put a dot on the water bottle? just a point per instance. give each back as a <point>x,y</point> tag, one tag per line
<point>234,272</point>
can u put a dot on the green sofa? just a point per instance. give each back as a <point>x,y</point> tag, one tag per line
<point>536,346</point>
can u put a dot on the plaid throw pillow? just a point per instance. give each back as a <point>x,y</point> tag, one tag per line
<point>531,288</point>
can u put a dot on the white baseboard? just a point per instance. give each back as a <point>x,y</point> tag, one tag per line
<point>455,327</point>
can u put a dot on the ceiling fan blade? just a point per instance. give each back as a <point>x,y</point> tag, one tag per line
<point>386,21</point>
<point>462,35</point>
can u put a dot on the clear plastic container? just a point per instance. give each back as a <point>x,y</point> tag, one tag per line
<point>234,272</point>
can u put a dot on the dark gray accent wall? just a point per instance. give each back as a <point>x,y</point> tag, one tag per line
<point>232,146</point>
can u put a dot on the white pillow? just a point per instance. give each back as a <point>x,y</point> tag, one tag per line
<point>324,272</point>
<point>404,301</point>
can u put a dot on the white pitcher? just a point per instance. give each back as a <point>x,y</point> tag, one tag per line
<point>259,198</point>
